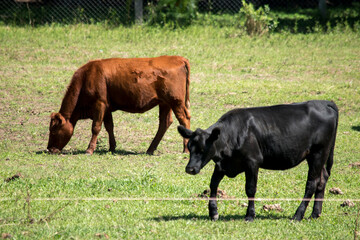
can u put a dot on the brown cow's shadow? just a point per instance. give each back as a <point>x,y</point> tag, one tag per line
<point>225,218</point>
<point>356,128</point>
<point>121,152</point>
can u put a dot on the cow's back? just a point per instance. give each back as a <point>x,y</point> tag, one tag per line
<point>139,84</point>
<point>284,133</point>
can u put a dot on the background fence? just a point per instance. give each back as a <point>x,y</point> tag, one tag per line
<point>124,11</point>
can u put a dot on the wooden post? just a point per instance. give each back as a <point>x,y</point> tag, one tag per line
<point>138,11</point>
<point>322,8</point>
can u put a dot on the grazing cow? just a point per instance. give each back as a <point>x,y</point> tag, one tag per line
<point>275,137</point>
<point>133,85</point>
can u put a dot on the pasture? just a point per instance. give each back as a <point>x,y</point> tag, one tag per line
<point>131,195</point>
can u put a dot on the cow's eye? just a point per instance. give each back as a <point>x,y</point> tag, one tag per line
<point>194,146</point>
<point>200,146</point>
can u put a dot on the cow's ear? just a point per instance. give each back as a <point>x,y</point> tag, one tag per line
<point>184,132</point>
<point>214,134</point>
<point>52,116</point>
<point>57,119</point>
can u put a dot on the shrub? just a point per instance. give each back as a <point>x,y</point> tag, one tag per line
<point>172,12</point>
<point>257,21</point>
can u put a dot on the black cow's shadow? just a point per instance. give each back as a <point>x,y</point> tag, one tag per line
<point>225,218</point>
<point>356,128</point>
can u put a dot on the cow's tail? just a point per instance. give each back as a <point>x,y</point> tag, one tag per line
<point>330,160</point>
<point>72,93</point>
<point>187,91</point>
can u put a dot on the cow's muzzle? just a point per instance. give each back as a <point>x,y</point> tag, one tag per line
<point>53,150</point>
<point>192,170</point>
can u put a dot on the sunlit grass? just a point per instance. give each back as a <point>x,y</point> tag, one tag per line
<point>227,71</point>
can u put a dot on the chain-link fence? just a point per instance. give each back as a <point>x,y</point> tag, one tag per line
<point>122,11</point>
<point>65,11</point>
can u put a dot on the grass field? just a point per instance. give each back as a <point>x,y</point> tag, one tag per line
<point>75,196</point>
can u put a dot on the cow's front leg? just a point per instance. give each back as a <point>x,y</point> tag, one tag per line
<point>98,116</point>
<point>215,180</point>
<point>251,175</point>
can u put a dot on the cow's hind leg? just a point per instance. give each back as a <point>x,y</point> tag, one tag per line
<point>215,180</point>
<point>320,190</point>
<point>165,120</point>
<point>183,116</point>
<point>109,126</point>
<point>98,117</point>
<point>319,194</point>
<point>313,184</point>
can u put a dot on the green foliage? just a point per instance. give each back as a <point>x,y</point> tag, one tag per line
<point>172,12</point>
<point>257,21</point>
<point>166,13</point>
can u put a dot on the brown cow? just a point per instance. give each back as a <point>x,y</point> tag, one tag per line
<point>133,85</point>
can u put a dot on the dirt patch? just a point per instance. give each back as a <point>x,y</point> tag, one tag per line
<point>348,203</point>
<point>220,194</point>
<point>336,191</point>
<point>12,178</point>
<point>272,207</point>
<point>355,165</point>
<point>6,236</point>
<point>230,106</point>
<point>102,235</point>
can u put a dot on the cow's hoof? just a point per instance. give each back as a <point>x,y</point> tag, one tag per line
<point>149,152</point>
<point>89,152</point>
<point>215,217</point>
<point>315,216</point>
<point>249,218</point>
<point>296,218</point>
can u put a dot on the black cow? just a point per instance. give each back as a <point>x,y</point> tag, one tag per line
<point>275,137</point>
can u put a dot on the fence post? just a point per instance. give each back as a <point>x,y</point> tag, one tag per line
<point>138,11</point>
<point>322,8</point>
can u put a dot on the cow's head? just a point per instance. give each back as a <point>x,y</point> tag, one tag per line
<point>61,131</point>
<point>201,146</point>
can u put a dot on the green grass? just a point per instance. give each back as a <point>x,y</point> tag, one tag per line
<point>228,70</point>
